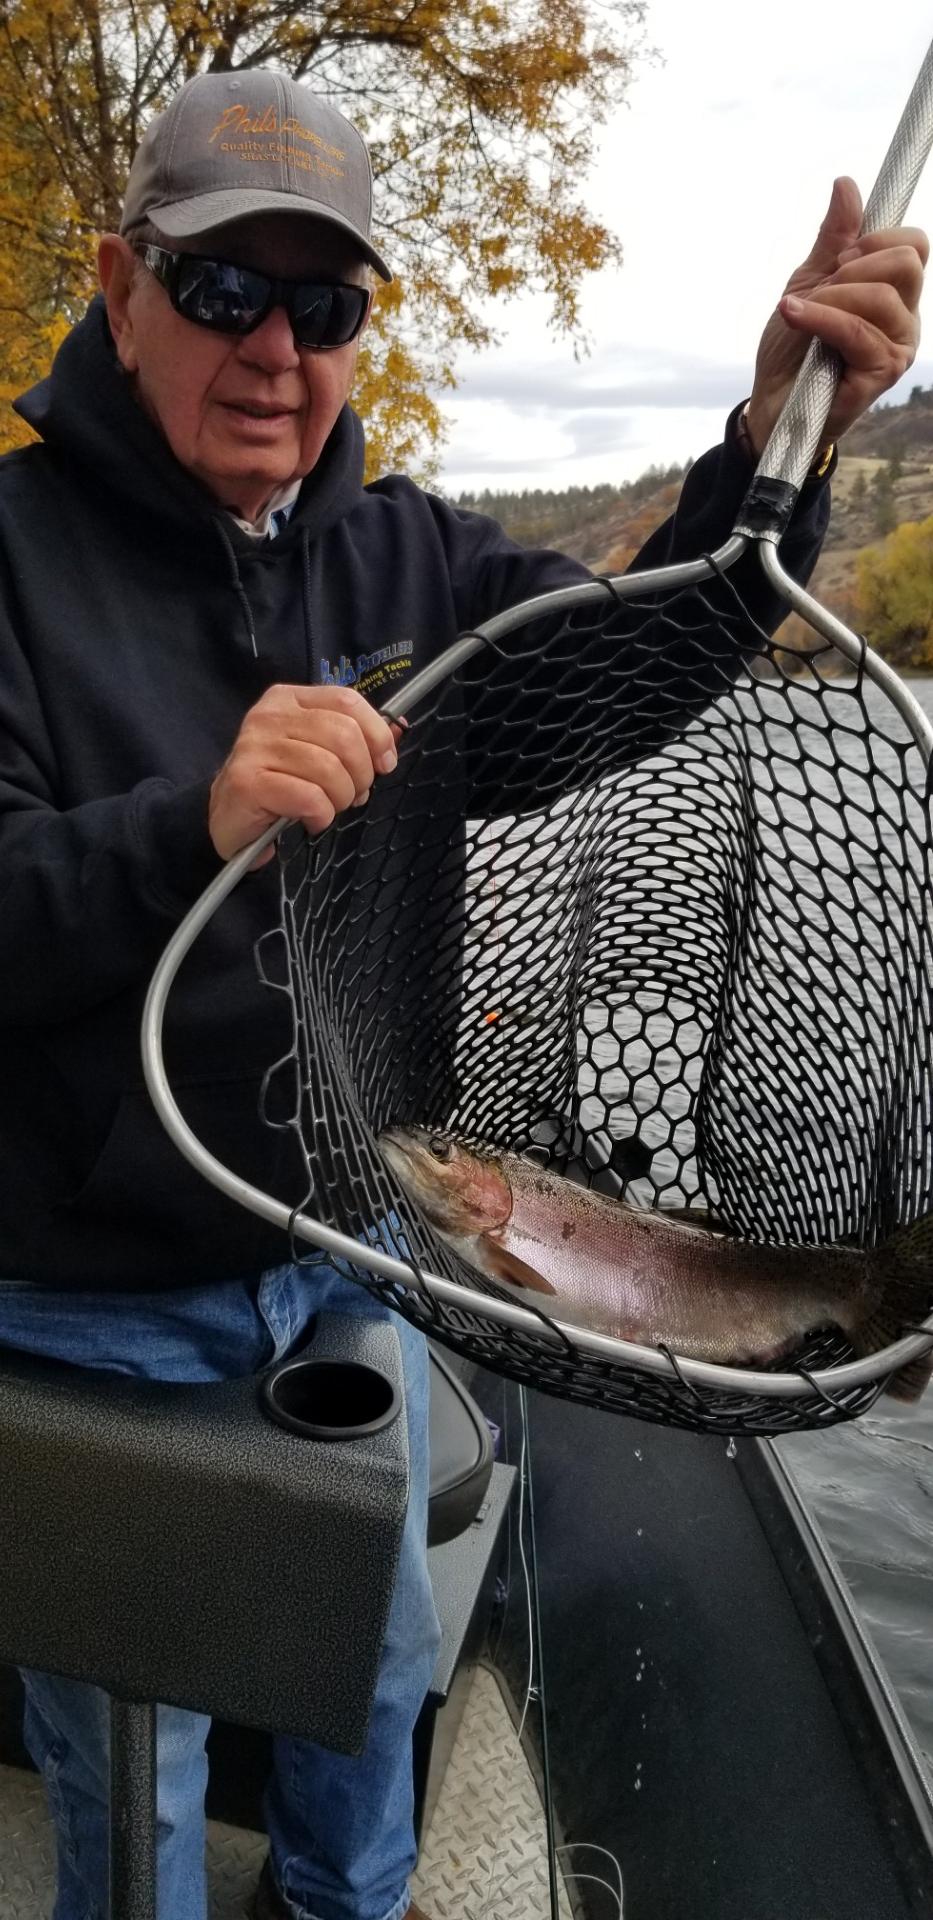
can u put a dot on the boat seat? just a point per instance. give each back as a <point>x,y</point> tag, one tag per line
<point>461,1466</point>
<point>198,1508</point>
<point>461,1455</point>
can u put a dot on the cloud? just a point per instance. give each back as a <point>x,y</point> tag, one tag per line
<point>708,241</point>
<point>474,465</point>
<point>653,380</point>
<point>533,424</point>
<point>657,381</point>
<point>597,433</point>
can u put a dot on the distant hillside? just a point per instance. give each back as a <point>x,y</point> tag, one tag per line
<point>887,430</point>
<point>884,478</point>
<point>581,521</point>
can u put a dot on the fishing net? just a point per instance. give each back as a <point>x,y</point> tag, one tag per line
<point>649,898</point>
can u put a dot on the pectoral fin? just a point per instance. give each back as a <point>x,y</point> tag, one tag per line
<point>506,1265</point>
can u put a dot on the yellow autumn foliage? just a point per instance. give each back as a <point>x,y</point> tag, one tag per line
<point>895,595</point>
<point>480,115</point>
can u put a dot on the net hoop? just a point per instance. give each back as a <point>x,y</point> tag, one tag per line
<point>822,1395</point>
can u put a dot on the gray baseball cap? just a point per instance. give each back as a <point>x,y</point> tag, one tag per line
<point>232,144</point>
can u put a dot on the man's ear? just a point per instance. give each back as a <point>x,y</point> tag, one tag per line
<point>116,267</point>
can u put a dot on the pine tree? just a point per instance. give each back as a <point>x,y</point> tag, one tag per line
<point>884,503</point>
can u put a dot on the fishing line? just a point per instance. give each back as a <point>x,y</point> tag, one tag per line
<point>597,1881</point>
<point>538,1692</point>
<point>496,1013</point>
<point>493,1652</point>
<point>587,1846</point>
<point>539,1659</point>
<point>552,1847</point>
<point>493,1014</point>
<point>524,1489</point>
<point>616,1892</point>
<point>492,1886</point>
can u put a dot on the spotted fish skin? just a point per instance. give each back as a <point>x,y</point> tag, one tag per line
<point>637,1275</point>
<point>629,1272</point>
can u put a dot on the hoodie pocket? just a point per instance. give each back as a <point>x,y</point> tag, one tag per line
<point>142,1188</point>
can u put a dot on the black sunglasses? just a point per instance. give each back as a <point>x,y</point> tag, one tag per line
<point>229,299</point>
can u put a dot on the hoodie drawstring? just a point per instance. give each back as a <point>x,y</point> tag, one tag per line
<point>237,584</point>
<point>306,603</point>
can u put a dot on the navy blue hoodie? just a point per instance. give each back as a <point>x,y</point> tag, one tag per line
<point>137,626</point>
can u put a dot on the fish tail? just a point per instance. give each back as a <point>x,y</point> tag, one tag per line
<point>906,1297</point>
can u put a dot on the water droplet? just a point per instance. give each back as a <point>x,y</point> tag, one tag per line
<point>730,1450</point>
<point>639,1531</point>
<point>637,1786</point>
<point>638,1453</point>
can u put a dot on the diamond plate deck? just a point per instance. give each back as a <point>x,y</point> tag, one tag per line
<point>27,1856</point>
<point>482,1858</point>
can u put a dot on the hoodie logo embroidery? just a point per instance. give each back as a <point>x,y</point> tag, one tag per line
<point>368,672</point>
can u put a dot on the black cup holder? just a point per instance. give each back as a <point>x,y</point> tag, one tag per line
<point>330,1399</point>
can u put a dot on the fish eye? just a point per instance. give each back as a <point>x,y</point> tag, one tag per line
<point>440,1147</point>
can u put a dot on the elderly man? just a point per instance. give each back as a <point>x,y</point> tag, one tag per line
<point>193,578</point>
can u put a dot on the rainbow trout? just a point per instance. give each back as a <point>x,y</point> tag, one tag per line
<point>645,1277</point>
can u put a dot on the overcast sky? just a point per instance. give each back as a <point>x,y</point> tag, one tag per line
<point>715,177</point>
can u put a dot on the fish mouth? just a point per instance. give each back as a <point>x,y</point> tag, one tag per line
<point>401,1154</point>
<point>452,1189</point>
<point>404,1145</point>
<point>394,1148</point>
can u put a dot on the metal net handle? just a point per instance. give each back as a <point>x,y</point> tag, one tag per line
<point>798,431</point>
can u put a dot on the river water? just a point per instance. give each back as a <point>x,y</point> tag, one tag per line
<point>870,1485</point>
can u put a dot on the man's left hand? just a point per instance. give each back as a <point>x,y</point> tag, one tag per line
<point>859,296</point>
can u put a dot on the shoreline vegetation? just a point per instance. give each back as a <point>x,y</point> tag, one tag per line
<point>876,568</point>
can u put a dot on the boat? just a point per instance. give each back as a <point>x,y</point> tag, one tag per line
<point>701,1701</point>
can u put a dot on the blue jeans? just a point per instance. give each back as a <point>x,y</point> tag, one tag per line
<point>340,1829</point>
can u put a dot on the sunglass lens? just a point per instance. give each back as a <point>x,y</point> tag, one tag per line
<point>327,316</point>
<point>213,294</point>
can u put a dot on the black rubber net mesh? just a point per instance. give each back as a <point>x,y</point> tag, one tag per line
<point>649,899</point>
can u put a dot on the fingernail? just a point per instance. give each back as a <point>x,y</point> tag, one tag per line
<point>849,253</point>
<point>387,762</point>
<point>792,306</point>
<point>361,799</point>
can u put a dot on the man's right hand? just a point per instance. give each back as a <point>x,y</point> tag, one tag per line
<point>303,752</point>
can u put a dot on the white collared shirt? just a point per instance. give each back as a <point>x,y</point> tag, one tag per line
<point>275,515</point>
